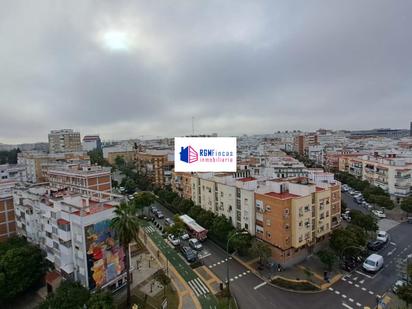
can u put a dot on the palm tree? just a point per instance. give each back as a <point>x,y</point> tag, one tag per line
<point>126,227</point>
<point>142,200</point>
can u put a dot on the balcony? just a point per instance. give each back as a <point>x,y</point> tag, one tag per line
<point>402,176</point>
<point>65,236</point>
<point>402,191</point>
<point>48,228</point>
<point>49,242</point>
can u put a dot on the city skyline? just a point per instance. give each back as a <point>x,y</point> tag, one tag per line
<point>126,70</point>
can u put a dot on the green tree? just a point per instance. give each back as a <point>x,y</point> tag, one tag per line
<point>406,205</point>
<point>220,227</point>
<point>68,295</point>
<point>178,227</point>
<point>96,157</point>
<point>126,227</point>
<point>327,257</point>
<point>130,186</point>
<point>100,300</point>
<point>142,200</point>
<point>405,293</point>
<point>163,279</point>
<point>261,250</point>
<point>241,243</point>
<point>21,267</point>
<point>119,162</point>
<point>365,221</point>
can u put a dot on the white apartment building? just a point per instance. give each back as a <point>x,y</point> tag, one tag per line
<point>65,140</point>
<point>74,231</point>
<point>225,195</point>
<point>91,142</point>
<point>16,172</point>
<point>391,173</point>
<point>277,167</point>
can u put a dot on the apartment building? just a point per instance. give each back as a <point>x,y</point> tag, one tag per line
<point>292,216</point>
<point>302,142</point>
<point>225,195</point>
<point>182,184</point>
<point>75,233</point>
<point>33,161</point>
<point>91,142</point>
<point>276,167</point>
<point>7,217</point>
<point>15,172</point>
<point>80,178</point>
<point>65,140</point>
<point>391,173</point>
<point>157,165</point>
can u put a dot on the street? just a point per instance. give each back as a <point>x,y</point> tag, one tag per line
<point>356,289</point>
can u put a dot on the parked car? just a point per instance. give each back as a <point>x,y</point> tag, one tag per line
<point>169,222</point>
<point>184,236</point>
<point>359,200</point>
<point>379,213</point>
<point>131,197</point>
<point>376,245</point>
<point>397,285</point>
<point>346,216</point>
<point>373,263</point>
<point>153,209</point>
<point>160,214</point>
<point>382,236</point>
<point>188,254</point>
<point>409,219</point>
<point>195,244</point>
<point>174,240</point>
<point>122,189</point>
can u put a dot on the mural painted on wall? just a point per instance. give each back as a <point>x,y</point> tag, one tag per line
<point>105,257</point>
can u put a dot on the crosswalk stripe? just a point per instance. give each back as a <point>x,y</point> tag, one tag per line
<point>194,288</point>
<point>203,285</point>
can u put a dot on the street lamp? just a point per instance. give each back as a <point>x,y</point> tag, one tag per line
<point>228,255</point>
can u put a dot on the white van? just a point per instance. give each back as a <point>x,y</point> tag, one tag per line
<point>373,263</point>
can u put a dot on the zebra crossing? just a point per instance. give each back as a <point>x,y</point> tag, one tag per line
<point>149,229</point>
<point>198,287</point>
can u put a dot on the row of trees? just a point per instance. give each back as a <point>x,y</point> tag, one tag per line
<point>73,295</point>
<point>371,193</point>
<point>132,179</point>
<point>349,241</point>
<point>22,267</point>
<point>9,156</point>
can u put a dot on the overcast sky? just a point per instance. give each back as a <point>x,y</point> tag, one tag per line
<point>127,69</point>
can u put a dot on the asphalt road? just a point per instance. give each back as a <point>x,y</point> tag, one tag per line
<point>356,290</point>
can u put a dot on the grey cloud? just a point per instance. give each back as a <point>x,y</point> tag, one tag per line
<point>236,66</point>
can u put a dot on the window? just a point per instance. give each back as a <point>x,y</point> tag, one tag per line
<point>286,211</point>
<point>300,238</point>
<point>307,208</point>
<point>286,226</point>
<point>327,214</point>
<point>300,223</point>
<point>268,222</point>
<point>268,208</point>
<point>268,235</point>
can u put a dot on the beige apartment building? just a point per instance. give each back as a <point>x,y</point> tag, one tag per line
<point>157,165</point>
<point>65,140</point>
<point>292,216</point>
<point>34,161</point>
<point>391,173</point>
<point>182,184</point>
<point>226,195</point>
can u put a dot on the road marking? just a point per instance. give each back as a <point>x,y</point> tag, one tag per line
<point>240,275</point>
<point>363,289</point>
<point>357,285</point>
<point>362,281</point>
<point>356,278</point>
<point>360,273</point>
<point>344,296</point>
<point>347,306</point>
<point>331,289</point>
<point>344,279</point>
<point>358,304</point>
<point>370,292</point>
<point>236,277</point>
<point>350,299</point>
<point>231,279</point>
<point>245,273</point>
<point>218,263</point>
<point>260,285</point>
<point>337,292</point>
<point>350,282</point>
<point>392,243</point>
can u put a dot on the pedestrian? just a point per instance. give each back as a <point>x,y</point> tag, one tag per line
<point>279,268</point>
